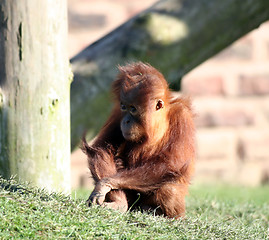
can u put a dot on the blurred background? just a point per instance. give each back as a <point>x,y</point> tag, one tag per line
<point>230,95</point>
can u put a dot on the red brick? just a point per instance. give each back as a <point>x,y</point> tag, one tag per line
<point>80,173</point>
<point>254,85</point>
<point>266,109</point>
<point>216,145</point>
<point>250,174</point>
<point>254,145</point>
<point>204,85</point>
<point>228,117</point>
<point>226,112</point>
<point>215,171</point>
<point>240,50</point>
<point>216,155</point>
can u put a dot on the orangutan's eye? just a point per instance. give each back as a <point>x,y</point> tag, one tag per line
<point>123,107</point>
<point>133,110</point>
<point>160,104</point>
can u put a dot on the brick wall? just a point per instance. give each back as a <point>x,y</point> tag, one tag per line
<point>231,99</point>
<point>90,20</point>
<point>230,94</point>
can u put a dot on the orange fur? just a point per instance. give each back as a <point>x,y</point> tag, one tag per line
<point>146,147</point>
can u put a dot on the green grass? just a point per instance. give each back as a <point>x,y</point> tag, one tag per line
<point>213,212</point>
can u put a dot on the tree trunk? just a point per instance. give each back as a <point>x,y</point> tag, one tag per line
<point>173,35</point>
<point>34,93</point>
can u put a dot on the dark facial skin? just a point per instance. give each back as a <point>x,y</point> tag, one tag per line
<point>133,123</point>
<point>132,118</point>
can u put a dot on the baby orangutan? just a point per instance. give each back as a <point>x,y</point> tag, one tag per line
<point>144,155</point>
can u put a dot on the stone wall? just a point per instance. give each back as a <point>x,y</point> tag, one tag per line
<point>230,94</point>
